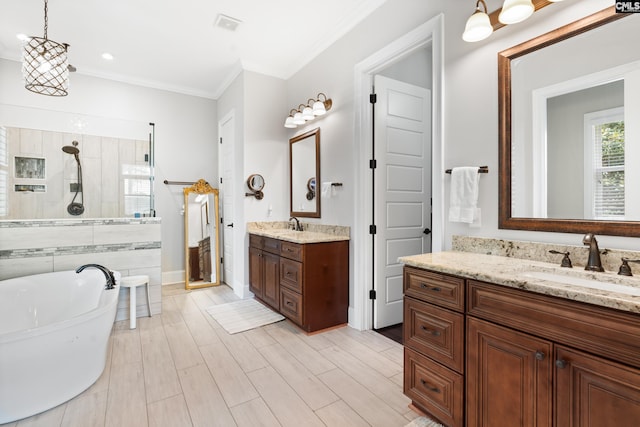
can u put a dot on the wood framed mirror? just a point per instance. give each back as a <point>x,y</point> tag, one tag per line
<point>304,168</point>
<point>582,51</point>
<point>201,236</point>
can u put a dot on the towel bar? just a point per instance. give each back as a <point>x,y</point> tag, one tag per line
<point>483,169</point>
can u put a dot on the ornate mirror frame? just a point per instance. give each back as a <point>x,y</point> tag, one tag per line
<point>505,219</point>
<point>212,221</point>
<point>302,185</point>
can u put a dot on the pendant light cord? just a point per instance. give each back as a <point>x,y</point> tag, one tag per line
<point>46,18</point>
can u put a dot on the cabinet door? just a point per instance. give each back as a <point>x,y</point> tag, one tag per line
<point>591,391</point>
<point>508,377</point>
<point>271,283</point>
<point>255,271</point>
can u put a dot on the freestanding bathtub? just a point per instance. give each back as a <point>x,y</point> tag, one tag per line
<point>54,336</point>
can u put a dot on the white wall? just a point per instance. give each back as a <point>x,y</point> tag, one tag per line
<point>185,134</point>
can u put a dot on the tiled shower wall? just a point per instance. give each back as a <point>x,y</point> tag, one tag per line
<point>128,245</point>
<point>103,160</point>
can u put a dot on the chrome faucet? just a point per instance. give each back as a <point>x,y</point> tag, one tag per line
<point>298,226</point>
<point>108,274</point>
<point>593,263</point>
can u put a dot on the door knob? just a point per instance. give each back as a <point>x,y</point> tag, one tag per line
<point>427,231</point>
<point>230,225</point>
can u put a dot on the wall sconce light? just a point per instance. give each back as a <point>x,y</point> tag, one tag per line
<point>45,65</point>
<point>309,111</point>
<point>478,25</point>
<point>512,12</point>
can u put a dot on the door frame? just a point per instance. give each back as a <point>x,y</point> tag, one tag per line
<point>230,116</point>
<point>431,32</point>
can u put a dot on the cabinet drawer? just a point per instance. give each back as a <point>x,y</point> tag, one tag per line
<point>434,388</point>
<point>271,245</point>
<point>256,241</point>
<point>291,274</point>
<point>439,289</point>
<point>435,332</point>
<point>291,250</point>
<point>291,305</point>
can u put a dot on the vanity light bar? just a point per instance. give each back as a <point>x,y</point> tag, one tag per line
<point>309,111</point>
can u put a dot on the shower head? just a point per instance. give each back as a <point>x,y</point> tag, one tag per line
<point>71,150</point>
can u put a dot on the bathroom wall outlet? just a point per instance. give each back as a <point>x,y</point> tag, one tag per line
<point>75,187</point>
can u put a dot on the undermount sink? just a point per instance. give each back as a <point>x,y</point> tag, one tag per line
<point>583,282</point>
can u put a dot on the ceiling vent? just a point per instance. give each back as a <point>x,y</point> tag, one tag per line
<point>227,22</point>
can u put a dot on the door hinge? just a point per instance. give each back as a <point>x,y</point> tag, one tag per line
<point>372,294</point>
<point>220,140</point>
<point>373,164</point>
<point>220,180</point>
<point>221,220</point>
<point>373,98</point>
<point>372,229</point>
<point>221,260</point>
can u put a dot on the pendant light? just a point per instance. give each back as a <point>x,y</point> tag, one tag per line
<point>45,66</point>
<point>478,25</point>
<point>514,11</point>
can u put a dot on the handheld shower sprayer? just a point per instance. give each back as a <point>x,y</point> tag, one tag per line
<point>75,208</point>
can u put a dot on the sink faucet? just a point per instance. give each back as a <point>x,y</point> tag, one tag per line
<point>108,274</point>
<point>593,263</point>
<point>297,227</point>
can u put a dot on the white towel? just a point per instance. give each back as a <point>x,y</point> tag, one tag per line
<point>464,195</point>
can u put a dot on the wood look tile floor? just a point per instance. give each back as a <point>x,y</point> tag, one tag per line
<point>181,368</point>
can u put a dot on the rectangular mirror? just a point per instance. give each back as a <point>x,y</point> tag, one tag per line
<point>304,179</point>
<point>568,132</point>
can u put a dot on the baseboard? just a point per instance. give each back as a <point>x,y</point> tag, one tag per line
<point>171,277</point>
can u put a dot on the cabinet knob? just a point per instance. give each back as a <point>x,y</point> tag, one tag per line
<point>429,386</point>
<point>539,355</point>
<point>561,364</point>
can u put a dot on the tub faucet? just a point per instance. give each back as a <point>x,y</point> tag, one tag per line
<point>593,263</point>
<point>298,226</point>
<point>108,274</point>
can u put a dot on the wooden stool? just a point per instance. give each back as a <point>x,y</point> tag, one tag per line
<point>132,282</point>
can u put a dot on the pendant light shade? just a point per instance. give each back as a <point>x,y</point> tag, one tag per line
<point>45,66</point>
<point>478,25</point>
<point>514,11</point>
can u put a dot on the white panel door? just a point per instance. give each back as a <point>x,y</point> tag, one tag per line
<point>226,195</point>
<point>402,188</point>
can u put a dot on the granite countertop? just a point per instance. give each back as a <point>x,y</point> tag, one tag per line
<point>514,273</point>
<point>313,233</point>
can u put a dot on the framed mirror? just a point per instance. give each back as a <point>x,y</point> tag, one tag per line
<point>569,136</point>
<point>304,160</point>
<point>201,238</point>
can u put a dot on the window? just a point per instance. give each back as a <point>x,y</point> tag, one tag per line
<point>604,164</point>
<point>137,189</point>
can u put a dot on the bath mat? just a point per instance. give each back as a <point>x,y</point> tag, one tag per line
<point>423,422</point>
<point>243,315</point>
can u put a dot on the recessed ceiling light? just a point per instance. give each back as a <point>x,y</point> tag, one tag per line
<point>22,37</point>
<point>227,22</point>
<point>107,56</point>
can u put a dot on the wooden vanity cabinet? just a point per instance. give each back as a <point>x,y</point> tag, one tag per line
<point>530,359</point>
<point>434,343</point>
<point>311,284</point>
<point>264,269</point>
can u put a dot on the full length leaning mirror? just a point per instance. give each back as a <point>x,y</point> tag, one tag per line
<point>569,131</point>
<point>201,239</point>
<point>304,169</point>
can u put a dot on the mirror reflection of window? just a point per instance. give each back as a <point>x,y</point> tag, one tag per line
<point>605,164</point>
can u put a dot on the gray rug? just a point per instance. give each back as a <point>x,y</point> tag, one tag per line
<point>423,422</point>
<point>240,316</point>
